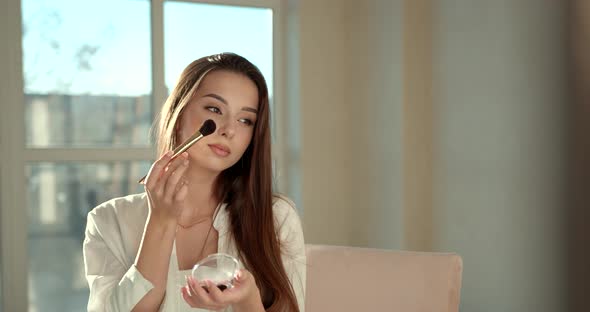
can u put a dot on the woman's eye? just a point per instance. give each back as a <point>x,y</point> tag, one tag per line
<point>247,122</point>
<point>213,109</point>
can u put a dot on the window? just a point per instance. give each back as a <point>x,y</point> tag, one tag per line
<point>87,73</point>
<point>202,29</point>
<point>94,74</point>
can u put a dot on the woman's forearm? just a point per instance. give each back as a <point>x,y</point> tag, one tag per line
<point>153,260</point>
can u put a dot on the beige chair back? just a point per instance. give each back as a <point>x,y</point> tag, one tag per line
<point>358,279</point>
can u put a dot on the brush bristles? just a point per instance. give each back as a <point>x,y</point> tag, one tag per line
<point>208,127</point>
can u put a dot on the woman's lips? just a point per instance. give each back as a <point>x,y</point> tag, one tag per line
<point>219,150</point>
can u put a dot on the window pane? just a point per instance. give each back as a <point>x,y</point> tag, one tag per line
<point>193,30</point>
<point>87,72</point>
<point>59,196</point>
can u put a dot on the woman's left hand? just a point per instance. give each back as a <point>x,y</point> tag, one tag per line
<point>245,293</point>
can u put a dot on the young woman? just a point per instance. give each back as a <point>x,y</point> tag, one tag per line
<point>215,197</point>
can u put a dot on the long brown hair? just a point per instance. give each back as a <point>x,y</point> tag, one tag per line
<point>246,187</point>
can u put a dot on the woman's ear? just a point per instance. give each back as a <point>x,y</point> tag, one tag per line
<point>178,124</point>
<point>177,128</point>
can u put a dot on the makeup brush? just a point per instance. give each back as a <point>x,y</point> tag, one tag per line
<point>206,129</point>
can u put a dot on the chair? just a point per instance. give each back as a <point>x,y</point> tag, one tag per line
<point>360,279</point>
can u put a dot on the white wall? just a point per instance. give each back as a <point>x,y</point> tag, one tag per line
<point>501,104</point>
<point>499,138</point>
<point>350,57</point>
<point>325,123</point>
<point>375,91</point>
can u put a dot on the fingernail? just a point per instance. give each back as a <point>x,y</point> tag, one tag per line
<point>185,162</point>
<point>169,153</point>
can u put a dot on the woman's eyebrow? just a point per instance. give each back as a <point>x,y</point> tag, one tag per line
<point>250,109</point>
<point>217,97</point>
<point>222,100</point>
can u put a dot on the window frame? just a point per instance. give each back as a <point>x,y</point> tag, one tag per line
<point>15,155</point>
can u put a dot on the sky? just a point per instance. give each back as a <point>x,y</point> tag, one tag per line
<point>103,47</point>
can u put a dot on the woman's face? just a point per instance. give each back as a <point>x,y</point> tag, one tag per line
<point>231,100</point>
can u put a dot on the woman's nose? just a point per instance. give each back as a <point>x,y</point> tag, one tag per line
<point>226,128</point>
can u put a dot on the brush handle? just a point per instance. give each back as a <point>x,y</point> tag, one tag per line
<point>180,149</point>
<point>187,144</point>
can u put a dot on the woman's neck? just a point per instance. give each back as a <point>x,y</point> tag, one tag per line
<point>200,201</point>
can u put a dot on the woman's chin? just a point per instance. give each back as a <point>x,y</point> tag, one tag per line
<point>213,165</point>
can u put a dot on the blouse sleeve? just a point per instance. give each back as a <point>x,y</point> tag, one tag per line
<point>114,285</point>
<point>292,248</point>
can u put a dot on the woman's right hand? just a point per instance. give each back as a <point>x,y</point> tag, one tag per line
<point>166,188</point>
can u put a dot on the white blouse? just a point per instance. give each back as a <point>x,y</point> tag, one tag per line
<point>113,233</point>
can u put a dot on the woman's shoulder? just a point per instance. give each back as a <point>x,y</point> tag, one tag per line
<point>288,226</point>
<point>126,208</point>
<point>282,204</point>
<point>284,210</point>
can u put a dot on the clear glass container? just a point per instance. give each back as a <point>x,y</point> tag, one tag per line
<point>221,269</point>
